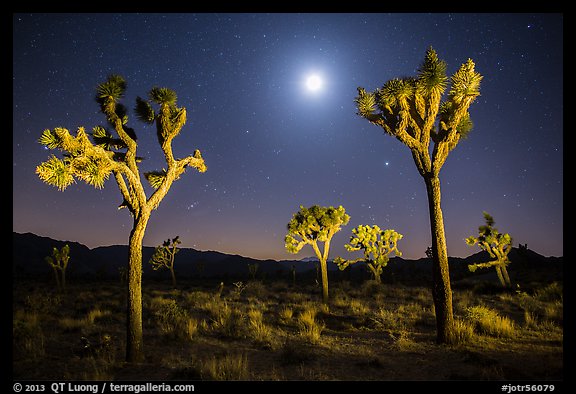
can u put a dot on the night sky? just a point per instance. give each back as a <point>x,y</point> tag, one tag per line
<point>271,144</point>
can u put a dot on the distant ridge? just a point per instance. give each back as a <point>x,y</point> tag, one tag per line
<point>29,251</point>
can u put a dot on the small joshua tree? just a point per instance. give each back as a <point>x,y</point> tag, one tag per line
<point>253,268</point>
<point>311,226</point>
<point>164,255</point>
<point>377,245</point>
<point>497,245</point>
<point>59,261</point>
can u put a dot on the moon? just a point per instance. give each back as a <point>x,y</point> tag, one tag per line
<point>314,83</point>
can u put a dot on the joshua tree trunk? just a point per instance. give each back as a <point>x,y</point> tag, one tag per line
<point>375,273</point>
<point>441,291</point>
<point>505,275</point>
<point>134,340</point>
<point>63,279</point>
<point>173,276</point>
<point>323,257</point>
<point>58,287</point>
<point>324,271</point>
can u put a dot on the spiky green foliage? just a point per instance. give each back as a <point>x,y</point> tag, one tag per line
<point>432,78</point>
<point>411,109</point>
<point>376,244</point>
<point>114,87</point>
<point>155,178</point>
<point>311,226</point>
<point>164,255</point>
<point>497,245</point>
<point>144,111</point>
<point>163,96</point>
<point>83,160</point>
<point>55,172</point>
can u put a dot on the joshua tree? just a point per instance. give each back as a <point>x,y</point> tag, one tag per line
<point>377,245</point>
<point>164,255</point>
<point>252,269</point>
<point>313,225</point>
<point>411,109</point>
<point>93,161</point>
<point>59,262</point>
<point>497,245</point>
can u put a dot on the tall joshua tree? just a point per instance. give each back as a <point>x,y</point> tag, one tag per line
<point>313,225</point>
<point>94,160</point>
<point>411,109</point>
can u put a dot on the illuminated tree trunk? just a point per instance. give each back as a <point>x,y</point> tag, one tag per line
<point>134,339</point>
<point>376,274</point>
<point>323,257</point>
<point>441,290</point>
<point>324,271</point>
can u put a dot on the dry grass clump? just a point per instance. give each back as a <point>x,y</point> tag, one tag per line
<point>463,332</point>
<point>309,328</point>
<point>258,330</point>
<point>488,321</point>
<point>226,321</point>
<point>72,324</point>
<point>544,309</point>
<point>228,367</point>
<point>285,315</point>
<point>172,320</point>
<point>28,338</point>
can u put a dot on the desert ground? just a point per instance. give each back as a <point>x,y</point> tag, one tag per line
<point>274,330</point>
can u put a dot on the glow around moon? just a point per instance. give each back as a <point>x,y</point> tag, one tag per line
<point>314,83</point>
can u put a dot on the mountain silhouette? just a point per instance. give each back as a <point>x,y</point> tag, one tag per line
<point>30,250</point>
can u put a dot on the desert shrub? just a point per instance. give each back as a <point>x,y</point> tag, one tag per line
<point>43,303</point>
<point>402,340</point>
<point>197,299</point>
<point>386,319</point>
<point>256,289</point>
<point>227,321</point>
<point>308,327</point>
<point>488,321</point>
<point>172,320</point>
<point>370,288</point>
<point>229,367</point>
<point>463,332</point>
<point>545,307</point>
<point>358,307</point>
<point>286,314</point>
<point>96,313</point>
<point>259,331</point>
<point>411,312</point>
<point>554,311</point>
<point>552,292</point>
<point>27,335</point>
